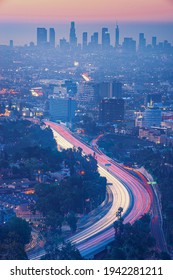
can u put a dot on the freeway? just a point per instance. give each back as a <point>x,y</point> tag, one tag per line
<point>155,209</point>
<point>127,191</point>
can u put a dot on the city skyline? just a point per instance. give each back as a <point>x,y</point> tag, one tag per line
<point>23,34</point>
<point>19,19</point>
<point>134,10</point>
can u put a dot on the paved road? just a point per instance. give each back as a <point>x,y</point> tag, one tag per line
<point>128,192</point>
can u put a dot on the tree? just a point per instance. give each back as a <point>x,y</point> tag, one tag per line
<point>14,235</point>
<point>72,221</point>
<point>69,252</point>
<point>64,252</point>
<point>21,229</point>
<point>118,224</point>
<point>119,213</point>
<point>132,241</point>
<point>164,256</point>
<point>12,250</point>
<point>54,220</point>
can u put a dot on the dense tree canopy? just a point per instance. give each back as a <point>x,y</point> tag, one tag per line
<point>27,149</point>
<point>14,235</point>
<point>84,190</point>
<point>132,242</point>
<point>66,252</point>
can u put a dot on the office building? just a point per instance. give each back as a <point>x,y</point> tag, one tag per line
<point>117,36</point>
<point>105,38</point>
<point>41,37</point>
<point>71,87</point>
<point>52,37</point>
<point>117,89</point>
<point>85,93</point>
<point>11,44</point>
<point>64,45</point>
<point>102,90</point>
<point>154,42</point>
<point>129,45</point>
<point>152,117</point>
<point>73,38</point>
<point>166,45</point>
<point>94,40</point>
<point>142,42</point>
<point>62,109</point>
<point>108,89</point>
<point>111,110</point>
<point>84,40</point>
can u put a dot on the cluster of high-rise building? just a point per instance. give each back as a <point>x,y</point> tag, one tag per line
<point>96,43</point>
<point>42,37</point>
<point>107,95</point>
<point>43,41</point>
<point>65,81</point>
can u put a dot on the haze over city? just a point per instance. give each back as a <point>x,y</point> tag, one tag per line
<point>19,19</point>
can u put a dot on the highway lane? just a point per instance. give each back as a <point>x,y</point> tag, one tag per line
<point>121,199</point>
<point>128,192</point>
<point>97,213</point>
<point>156,220</point>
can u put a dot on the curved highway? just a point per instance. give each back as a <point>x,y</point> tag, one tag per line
<point>127,191</point>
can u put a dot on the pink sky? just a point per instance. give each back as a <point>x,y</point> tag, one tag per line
<point>109,10</point>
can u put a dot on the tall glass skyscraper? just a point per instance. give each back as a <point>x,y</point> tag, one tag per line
<point>95,40</point>
<point>105,38</point>
<point>52,37</point>
<point>84,40</point>
<point>73,38</point>
<point>142,42</point>
<point>117,36</point>
<point>41,37</point>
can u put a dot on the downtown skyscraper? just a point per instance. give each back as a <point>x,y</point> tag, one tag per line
<point>73,38</point>
<point>84,40</point>
<point>117,36</point>
<point>105,38</point>
<point>52,37</point>
<point>41,37</point>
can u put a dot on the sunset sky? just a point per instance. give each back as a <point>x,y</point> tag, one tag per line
<point>20,18</point>
<point>53,10</point>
